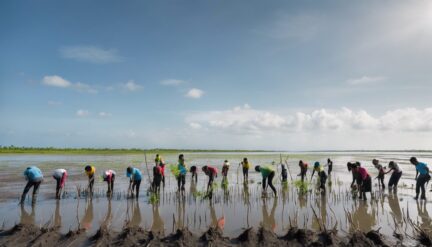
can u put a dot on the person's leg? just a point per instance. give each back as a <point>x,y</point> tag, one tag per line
<point>244,174</point>
<point>91,183</point>
<point>270,182</point>
<point>57,187</point>
<point>422,187</point>
<point>26,190</point>
<point>183,182</point>
<point>163,180</point>
<point>392,180</point>
<point>323,179</point>
<point>137,187</point>
<point>35,191</point>
<point>418,187</point>
<point>398,176</point>
<point>264,185</point>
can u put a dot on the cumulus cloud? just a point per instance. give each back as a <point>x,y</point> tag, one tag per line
<point>246,120</point>
<point>55,81</point>
<point>58,81</point>
<point>195,93</point>
<point>82,113</point>
<point>91,54</point>
<point>366,80</point>
<point>172,82</point>
<point>131,86</point>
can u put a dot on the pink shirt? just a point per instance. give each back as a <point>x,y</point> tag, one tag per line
<point>363,173</point>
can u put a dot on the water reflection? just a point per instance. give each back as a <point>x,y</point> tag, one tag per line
<point>361,216</point>
<point>28,218</point>
<point>136,214</point>
<point>424,215</point>
<point>108,215</point>
<point>181,209</point>
<point>268,220</point>
<point>57,215</point>
<point>396,212</point>
<point>158,224</point>
<point>87,220</point>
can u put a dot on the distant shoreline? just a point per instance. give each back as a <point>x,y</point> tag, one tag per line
<point>53,150</point>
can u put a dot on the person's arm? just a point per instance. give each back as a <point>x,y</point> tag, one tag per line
<point>391,169</point>
<point>353,179</point>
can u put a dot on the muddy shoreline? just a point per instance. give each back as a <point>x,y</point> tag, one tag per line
<point>31,235</point>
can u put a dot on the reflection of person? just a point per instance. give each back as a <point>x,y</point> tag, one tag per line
<point>267,174</point>
<point>27,218</point>
<point>57,215</point>
<point>269,221</point>
<point>158,224</point>
<point>34,178</point>
<point>136,215</point>
<point>396,211</point>
<point>109,177</point>
<point>181,212</point>
<point>108,214</point>
<point>135,179</point>
<point>364,219</point>
<point>422,179</point>
<point>424,215</point>
<point>90,171</point>
<point>214,221</point>
<point>60,175</point>
<point>87,219</point>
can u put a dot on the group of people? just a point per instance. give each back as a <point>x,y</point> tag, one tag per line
<point>361,179</point>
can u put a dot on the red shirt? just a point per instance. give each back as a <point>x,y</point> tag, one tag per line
<point>363,173</point>
<point>212,170</point>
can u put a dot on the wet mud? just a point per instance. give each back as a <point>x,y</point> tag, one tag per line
<point>31,235</point>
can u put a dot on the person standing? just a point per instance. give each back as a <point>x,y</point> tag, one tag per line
<point>330,166</point>
<point>303,169</point>
<point>396,175</point>
<point>135,176</point>
<point>321,173</point>
<point>381,172</point>
<point>60,175</point>
<point>268,174</point>
<point>109,177</point>
<point>245,167</point>
<point>90,172</point>
<point>34,178</point>
<point>181,179</point>
<point>422,177</point>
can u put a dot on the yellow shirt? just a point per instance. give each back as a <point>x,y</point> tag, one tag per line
<point>246,165</point>
<point>91,172</point>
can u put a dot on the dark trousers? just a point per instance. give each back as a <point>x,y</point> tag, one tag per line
<point>91,183</point>
<point>330,169</point>
<point>323,179</point>
<point>157,179</point>
<point>58,183</point>
<point>381,180</point>
<point>270,182</point>
<point>35,184</point>
<point>245,173</point>
<point>136,185</point>
<point>284,175</point>
<point>422,179</point>
<point>394,179</point>
<point>181,180</point>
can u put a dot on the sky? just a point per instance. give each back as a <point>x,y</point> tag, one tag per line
<point>247,74</point>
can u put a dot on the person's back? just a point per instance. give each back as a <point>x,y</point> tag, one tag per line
<point>33,173</point>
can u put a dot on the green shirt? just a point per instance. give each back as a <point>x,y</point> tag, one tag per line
<point>265,171</point>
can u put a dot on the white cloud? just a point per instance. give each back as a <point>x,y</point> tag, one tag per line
<point>172,82</point>
<point>91,54</point>
<point>245,120</point>
<point>55,81</point>
<point>104,114</point>
<point>366,80</point>
<point>195,93</point>
<point>82,113</point>
<point>58,81</point>
<point>131,86</point>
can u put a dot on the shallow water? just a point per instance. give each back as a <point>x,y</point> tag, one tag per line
<point>237,208</point>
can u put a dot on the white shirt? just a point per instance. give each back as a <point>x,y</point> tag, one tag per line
<point>58,173</point>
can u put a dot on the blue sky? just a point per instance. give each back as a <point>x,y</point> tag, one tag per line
<point>291,75</point>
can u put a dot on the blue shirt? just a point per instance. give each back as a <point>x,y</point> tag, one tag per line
<point>136,173</point>
<point>182,169</point>
<point>33,173</point>
<point>421,168</point>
